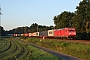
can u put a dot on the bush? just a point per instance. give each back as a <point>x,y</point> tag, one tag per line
<point>83,36</point>
<point>22,37</point>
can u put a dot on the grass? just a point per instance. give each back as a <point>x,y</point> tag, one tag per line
<point>14,49</point>
<point>40,54</point>
<point>79,50</point>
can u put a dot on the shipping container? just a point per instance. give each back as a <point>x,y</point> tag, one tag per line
<point>14,34</point>
<point>26,34</point>
<point>29,34</point>
<point>22,34</point>
<point>10,34</point>
<point>36,34</point>
<point>18,35</point>
<point>50,33</point>
<point>43,34</point>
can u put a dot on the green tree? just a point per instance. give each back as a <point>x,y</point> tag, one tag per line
<point>81,20</point>
<point>2,31</point>
<point>63,20</point>
<point>56,20</point>
<point>26,28</point>
<point>83,15</point>
<point>34,27</point>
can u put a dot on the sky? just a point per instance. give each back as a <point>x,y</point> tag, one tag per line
<point>19,13</point>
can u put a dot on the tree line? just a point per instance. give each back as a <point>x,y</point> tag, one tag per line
<point>20,30</point>
<point>79,19</point>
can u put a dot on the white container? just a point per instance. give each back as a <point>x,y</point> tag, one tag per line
<point>36,34</point>
<point>50,32</point>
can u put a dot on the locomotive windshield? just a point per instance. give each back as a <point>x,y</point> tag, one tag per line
<point>71,30</point>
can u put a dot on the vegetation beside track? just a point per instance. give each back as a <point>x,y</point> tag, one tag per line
<point>79,50</point>
<point>14,49</point>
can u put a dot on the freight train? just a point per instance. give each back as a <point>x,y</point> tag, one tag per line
<point>54,33</point>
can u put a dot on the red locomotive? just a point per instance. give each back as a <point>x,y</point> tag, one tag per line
<point>65,32</point>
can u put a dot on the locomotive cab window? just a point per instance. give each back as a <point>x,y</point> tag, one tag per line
<point>71,30</point>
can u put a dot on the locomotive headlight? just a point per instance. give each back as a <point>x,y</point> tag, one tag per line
<point>74,33</point>
<point>69,33</point>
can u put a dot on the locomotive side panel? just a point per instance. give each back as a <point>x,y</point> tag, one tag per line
<point>55,33</point>
<point>59,33</point>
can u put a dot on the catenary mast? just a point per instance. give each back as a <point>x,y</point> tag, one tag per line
<point>0,21</point>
